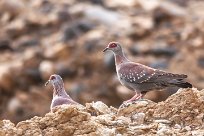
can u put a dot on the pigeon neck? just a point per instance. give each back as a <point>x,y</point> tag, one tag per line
<point>120,58</point>
<point>59,89</point>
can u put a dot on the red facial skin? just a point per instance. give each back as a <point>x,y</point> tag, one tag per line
<point>112,45</point>
<point>52,77</point>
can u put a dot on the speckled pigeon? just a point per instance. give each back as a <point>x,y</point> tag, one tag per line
<point>141,78</point>
<point>59,94</point>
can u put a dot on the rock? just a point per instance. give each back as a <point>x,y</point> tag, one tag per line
<point>145,22</point>
<point>7,128</point>
<point>180,2</point>
<point>167,51</point>
<point>92,40</point>
<point>116,3</point>
<point>12,7</point>
<point>32,75</point>
<point>149,5</point>
<point>139,48</point>
<point>197,42</point>
<point>187,96</point>
<point>13,105</point>
<point>99,2</point>
<point>16,28</point>
<point>100,107</point>
<point>46,69</point>
<point>173,9</point>
<point>163,130</point>
<point>198,133</point>
<point>90,46</point>
<point>31,58</point>
<point>63,15</point>
<point>84,25</point>
<point>6,80</point>
<point>69,33</point>
<point>75,30</point>
<point>141,26</point>
<point>160,95</point>
<point>201,62</point>
<point>177,126</point>
<point>5,45</point>
<point>75,90</point>
<point>43,17</point>
<point>141,118</point>
<point>134,50</point>
<point>108,18</point>
<point>127,110</point>
<point>169,7</point>
<point>24,42</point>
<point>159,64</point>
<point>59,50</point>
<point>65,69</point>
<point>163,121</point>
<point>138,118</point>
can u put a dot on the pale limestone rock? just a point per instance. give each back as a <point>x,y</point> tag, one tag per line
<point>101,107</point>
<point>138,118</point>
<point>141,118</point>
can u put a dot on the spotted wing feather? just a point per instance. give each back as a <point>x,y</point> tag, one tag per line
<point>135,73</point>
<point>138,74</point>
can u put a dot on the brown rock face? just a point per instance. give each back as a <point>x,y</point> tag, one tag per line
<point>41,37</point>
<point>180,114</point>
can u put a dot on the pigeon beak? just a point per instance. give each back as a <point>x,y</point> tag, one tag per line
<point>47,82</point>
<point>105,49</point>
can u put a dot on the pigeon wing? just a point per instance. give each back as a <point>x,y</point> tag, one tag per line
<point>138,73</point>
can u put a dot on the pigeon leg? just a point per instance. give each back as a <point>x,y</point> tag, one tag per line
<point>134,98</point>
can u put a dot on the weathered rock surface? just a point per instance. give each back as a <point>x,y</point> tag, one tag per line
<point>181,114</point>
<point>42,37</point>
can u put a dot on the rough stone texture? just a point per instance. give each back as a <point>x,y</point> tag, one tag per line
<point>181,114</point>
<point>42,37</point>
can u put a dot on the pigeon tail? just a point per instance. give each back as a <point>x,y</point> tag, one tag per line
<point>183,84</point>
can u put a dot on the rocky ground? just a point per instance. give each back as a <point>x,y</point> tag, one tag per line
<point>181,114</point>
<point>39,38</point>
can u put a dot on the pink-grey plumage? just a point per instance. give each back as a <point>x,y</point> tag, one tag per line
<point>59,94</point>
<point>141,78</point>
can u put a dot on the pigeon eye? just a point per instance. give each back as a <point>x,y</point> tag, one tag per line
<point>52,77</point>
<point>112,45</point>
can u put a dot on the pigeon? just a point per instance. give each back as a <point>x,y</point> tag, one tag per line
<point>141,78</point>
<point>60,96</point>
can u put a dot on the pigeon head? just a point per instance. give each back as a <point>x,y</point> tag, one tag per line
<point>115,47</point>
<point>54,79</point>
